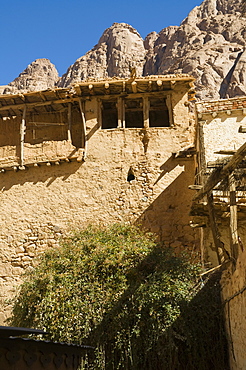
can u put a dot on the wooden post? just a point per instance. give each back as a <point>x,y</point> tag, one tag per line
<point>170,109</point>
<point>123,113</point>
<point>99,113</point>
<point>201,232</point>
<point>120,111</point>
<point>84,137</point>
<point>22,137</point>
<point>146,111</point>
<point>201,151</point>
<point>134,87</point>
<point>214,228</point>
<point>233,218</point>
<point>69,136</point>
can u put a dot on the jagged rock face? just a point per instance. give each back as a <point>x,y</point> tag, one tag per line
<point>39,75</point>
<point>209,45</point>
<point>212,8</point>
<point>120,48</point>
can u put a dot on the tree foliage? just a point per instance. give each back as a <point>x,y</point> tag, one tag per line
<point>113,288</point>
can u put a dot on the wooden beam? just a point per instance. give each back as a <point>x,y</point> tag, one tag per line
<point>172,84</point>
<point>214,228</point>
<point>120,103</point>
<point>99,113</point>
<point>226,152</point>
<point>37,104</point>
<point>146,111</point>
<point>36,124</point>
<point>195,187</point>
<point>202,247</point>
<point>219,247</point>
<point>170,108</point>
<point>69,114</point>
<point>42,96</point>
<point>233,218</point>
<point>123,114</point>
<point>22,137</point>
<point>220,173</point>
<point>201,153</point>
<point>134,87</point>
<point>84,136</point>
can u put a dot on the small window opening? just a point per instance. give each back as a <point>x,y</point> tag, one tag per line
<point>109,114</point>
<point>134,113</point>
<point>130,175</point>
<point>158,113</point>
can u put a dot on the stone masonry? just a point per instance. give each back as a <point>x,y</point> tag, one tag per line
<point>69,178</point>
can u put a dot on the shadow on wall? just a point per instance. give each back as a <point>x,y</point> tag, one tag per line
<point>168,215</point>
<point>39,174</point>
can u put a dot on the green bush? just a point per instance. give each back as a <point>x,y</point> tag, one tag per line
<point>113,288</point>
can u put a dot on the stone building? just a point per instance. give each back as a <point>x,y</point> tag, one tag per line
<point>221,128</point>
<point>220,208</point>
<point>99,152</point>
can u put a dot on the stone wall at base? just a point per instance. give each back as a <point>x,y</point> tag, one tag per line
<point>41,204</point>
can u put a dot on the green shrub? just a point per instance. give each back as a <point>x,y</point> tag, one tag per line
<point>113,288</point>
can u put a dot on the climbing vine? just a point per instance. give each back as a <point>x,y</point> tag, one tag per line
<point>120,291</point>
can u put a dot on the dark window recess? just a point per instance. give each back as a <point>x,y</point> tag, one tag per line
<point>134,113</point>
<point>158,113</point>
<point>130,175</point>
<point>109,114</point>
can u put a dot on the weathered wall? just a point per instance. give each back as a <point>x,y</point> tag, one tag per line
<point>221,123</point>
<point>233,285</point>
<point>42,143</point>
<point>40,204</point>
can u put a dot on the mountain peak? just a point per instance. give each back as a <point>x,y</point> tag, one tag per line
<point>212,8</point>
<point>119,49</point>
<point>209,44</point>
<point>39,75</point>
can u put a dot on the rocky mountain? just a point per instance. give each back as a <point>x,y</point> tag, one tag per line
<point>39,75</point>
<point>120,48</point>
<point>209,44</point>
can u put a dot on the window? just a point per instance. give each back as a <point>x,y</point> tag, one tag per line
<point>134,112</point>
<point>158,113</point>
<point>109,114</point>
<point>125,112</point>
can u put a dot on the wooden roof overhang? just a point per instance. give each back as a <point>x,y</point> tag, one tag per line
<point>146,84</point>
<point>57,100</point>
<point>39,101</point>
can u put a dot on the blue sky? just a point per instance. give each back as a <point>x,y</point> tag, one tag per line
<point>64,30</point>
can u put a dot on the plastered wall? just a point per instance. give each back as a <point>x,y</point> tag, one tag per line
<point>220,128</point>
<point>41,204</point>
<point>222,133</point>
